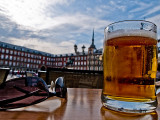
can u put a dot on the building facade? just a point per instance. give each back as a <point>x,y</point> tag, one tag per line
<point>94,57</point>
<point>24,59</point>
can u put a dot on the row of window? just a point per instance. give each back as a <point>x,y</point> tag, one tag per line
<point>94,62</point>
<point>80,68</point>
<point>22,64</point>
<point>24,54</point>
<point>29,55</point>
<point>19,53</point>
<point>80,63</point>
<point>74,63</point>
<point>48,63</point>
<point>58,64</point>
<point>95,68</point>
<point>10,63</point>
<point>93,57</point>
<point>22,59</point>
<point>80,58</point>
<point>35,61</point>
<point>75,58</point>
<point>86,68</point>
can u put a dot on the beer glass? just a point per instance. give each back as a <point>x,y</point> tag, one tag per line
<point>130,66</point>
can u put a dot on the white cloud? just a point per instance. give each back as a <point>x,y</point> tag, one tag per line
<point>33,23</point>
<point>152,10</point>
<point>140,6</point>
<point>35,14</point>
<point>117,5</point>
<point>69,25</point>
<point>30,13</point>
<point>61,31</point>
<point>54,48</point>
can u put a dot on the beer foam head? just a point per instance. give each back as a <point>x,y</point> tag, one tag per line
<point>129,32</point>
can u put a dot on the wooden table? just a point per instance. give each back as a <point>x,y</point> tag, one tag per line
<point>82,104</point>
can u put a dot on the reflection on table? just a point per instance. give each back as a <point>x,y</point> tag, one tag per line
<point>82,104</point>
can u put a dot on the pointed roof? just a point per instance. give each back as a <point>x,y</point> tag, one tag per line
<point>92,45</point>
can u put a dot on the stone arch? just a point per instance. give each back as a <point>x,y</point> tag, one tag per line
<point>43,68</point>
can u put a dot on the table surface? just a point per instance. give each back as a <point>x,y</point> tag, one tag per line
<point>82,104</point>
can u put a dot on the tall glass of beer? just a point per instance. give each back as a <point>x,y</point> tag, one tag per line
<point>130,66</point>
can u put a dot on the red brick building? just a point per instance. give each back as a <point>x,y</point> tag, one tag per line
<point>21,58</point>
<point>24,59</point>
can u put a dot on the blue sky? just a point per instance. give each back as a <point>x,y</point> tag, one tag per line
<point>54,26</point>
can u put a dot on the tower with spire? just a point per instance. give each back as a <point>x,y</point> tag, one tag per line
<point>92,47</point>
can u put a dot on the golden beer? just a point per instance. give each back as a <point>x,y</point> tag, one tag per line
<point>129,67</point>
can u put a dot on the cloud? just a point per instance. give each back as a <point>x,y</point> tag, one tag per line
<point>42,14</point>
<point>117,5</point>
<point>54,48</point>
<point>61,37</point>
<point>31,13</point>
<point>139,6</point>
<point>152,10</point>
<point>71,26</point>
<point>56,25</point>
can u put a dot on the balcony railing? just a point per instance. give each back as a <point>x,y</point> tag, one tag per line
<point>75,78</point>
